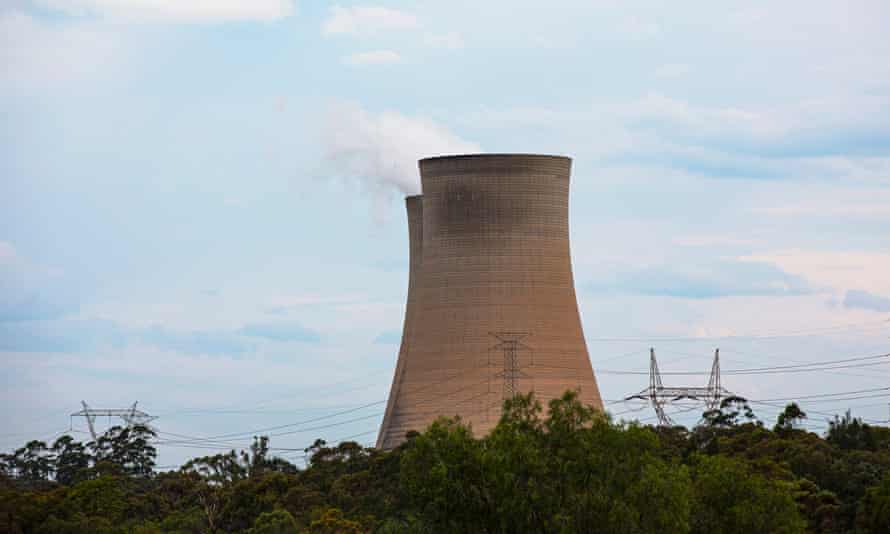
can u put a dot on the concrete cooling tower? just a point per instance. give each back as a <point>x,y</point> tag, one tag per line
<point>491,307</point>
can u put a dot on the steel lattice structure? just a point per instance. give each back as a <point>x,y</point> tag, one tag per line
<point>511,345</point>
<point>659,395</point>
<point>131,416</point>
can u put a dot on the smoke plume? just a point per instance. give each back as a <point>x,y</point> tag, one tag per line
<point>383,148</point>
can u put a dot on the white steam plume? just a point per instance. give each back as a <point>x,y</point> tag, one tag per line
<point>383,148</point>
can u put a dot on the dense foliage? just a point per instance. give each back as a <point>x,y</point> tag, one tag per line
<point>563,469</point>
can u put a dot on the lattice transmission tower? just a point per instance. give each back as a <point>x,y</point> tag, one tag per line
<point>131,416</point>
<point>658,395</point>
<point>512,347</point>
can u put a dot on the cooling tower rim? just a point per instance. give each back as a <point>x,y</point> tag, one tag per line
<point>517,155</point>
<point>501,164</point>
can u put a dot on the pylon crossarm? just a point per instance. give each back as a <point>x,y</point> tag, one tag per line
<point>659,396</point>
<point>671,393</point>
<point>111,413</point>
<point>131,416</point>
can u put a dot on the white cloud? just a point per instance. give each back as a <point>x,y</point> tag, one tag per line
<point>825,127</point>
<point>36,53</point>
<point>701,280</point>
<point>281,304</point>
<point>373,57</point>
<point>176,10</point>
<point>713,241</point>
<point>367,20</point>
<point>383,148</point>
<point>839,270</point>
<point>526,116</point>
<point>856,204</point>
<point>832,139</point>
<point>860,211</point>
<point>853,168</point>
<point>706,121</point>
<point>45,51</point>
<point>856,298</point>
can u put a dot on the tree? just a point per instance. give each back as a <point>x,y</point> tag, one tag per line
<point>332,521</point>
<point>32,462</point>
<point>223,469</point>
<point>71,460</point>
<point>442,475</point>
<point>560,468</point>
<point>730,499</point>
<point>515,469</point>
<point>217,470</point>
<point>103,497</point>
<point>572,471</point>
<point>7,465</point>
<point>726,419</point>
<point>275,522</point>
<point>257,461</point>
<point>874,510</point>
<point>790,417</point>
<point>820,507</point>
<point>78,524</point>
<point>729,413</point>
<point>609,477</point>
<point>127,448</point>
<point>850,432</point>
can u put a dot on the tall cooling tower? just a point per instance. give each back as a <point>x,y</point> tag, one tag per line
<point>491,302</point>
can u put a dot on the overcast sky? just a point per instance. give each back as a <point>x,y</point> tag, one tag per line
<point>201,202</point>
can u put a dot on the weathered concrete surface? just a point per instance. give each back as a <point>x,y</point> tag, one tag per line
<point>493,259</point>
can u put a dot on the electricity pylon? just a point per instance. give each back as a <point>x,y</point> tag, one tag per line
<point>511,345</point>
<point>131,416</point>
<point>659,395</point>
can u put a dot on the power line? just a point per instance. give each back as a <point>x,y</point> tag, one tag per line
<point>832,362</point>
<point>289,425</point>
<point>193,442</point>
<point>216,440</point>
<point>826,414</point>
<point>838,373</point>
<point>830,365</point>
<point>805,367</point>
<point>291,395</point>
<point>322,427</point>
<point>625,355</point>
<point>824,396</point>
<point>793,368</point>
<point>777,335</point>
<point>197,440</point>
<point>340,440</point>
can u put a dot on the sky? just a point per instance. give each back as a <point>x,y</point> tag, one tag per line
<point>201,202</point>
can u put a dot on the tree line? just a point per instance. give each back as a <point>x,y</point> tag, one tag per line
<point>566,468</point>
